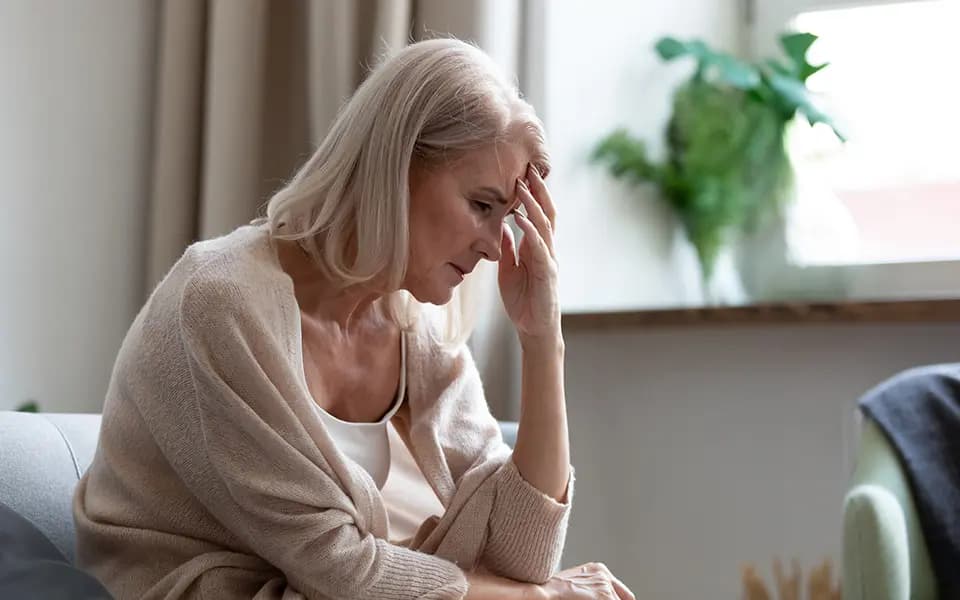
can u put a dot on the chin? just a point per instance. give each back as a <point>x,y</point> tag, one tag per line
<point>437,294</point>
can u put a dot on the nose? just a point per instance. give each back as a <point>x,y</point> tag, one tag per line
<point>488,244</point>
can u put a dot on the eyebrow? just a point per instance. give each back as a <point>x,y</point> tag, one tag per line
<point>496,193</point>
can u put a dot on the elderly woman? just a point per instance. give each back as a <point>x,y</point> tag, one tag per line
<point>244,442</point>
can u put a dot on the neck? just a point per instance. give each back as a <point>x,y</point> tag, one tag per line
<point>321,299</point>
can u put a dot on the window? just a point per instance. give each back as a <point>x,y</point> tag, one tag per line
<point>897,179</point>
<point>885,206</point>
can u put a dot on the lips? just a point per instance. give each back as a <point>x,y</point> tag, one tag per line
<point>460,271</point>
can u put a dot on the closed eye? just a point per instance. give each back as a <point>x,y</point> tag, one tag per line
<point>483,207</point>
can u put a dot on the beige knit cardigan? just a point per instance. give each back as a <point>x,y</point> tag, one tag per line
<point>213,478</point>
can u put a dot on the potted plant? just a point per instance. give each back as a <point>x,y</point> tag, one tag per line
<point>29,406</point>
<point>727,166</point>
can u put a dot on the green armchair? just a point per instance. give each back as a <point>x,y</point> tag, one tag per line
<point>884,553</point>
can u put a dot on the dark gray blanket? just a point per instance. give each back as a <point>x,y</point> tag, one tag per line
<point>32,567</point>
<point>919,411</point>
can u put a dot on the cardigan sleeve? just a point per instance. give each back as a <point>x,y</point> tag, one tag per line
<point>525,528</point>
<point>266,489</point>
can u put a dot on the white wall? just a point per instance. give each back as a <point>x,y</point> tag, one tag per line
<point>75,101</point>
<point>698,449</point>
<point>616,246</point>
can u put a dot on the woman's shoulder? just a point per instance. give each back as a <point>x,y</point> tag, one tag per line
<point>234,272</point>
<point>246,250</point>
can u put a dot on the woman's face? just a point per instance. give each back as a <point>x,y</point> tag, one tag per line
<point>457,217</point>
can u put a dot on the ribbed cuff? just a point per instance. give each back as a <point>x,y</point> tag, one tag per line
<point>527,528</point>
<point>408,574</point>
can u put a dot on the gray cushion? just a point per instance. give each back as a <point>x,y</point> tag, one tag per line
<point>32,567</point>
<point>41,459</point>
<point>509,430</point>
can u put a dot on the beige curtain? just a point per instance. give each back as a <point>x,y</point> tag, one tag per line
<point>247,88</point>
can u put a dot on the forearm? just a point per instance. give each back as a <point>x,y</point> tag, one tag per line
<point>542,451</point>
<point>490,587</point>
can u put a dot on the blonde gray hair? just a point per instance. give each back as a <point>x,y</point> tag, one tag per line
<point>348,204</point>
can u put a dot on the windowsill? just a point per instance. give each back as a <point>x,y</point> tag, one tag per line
<point>886,311</point>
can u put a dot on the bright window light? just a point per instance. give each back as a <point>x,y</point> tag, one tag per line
<point>892,193</point>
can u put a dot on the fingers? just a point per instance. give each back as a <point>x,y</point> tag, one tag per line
<point>542,195</point>
<point>597,573</point>
<point>623,592</point>
<point>595,579</point>
<point>530,231</point>
<point>536,215</point>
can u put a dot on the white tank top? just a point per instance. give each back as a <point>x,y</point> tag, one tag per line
<point>367,444</point>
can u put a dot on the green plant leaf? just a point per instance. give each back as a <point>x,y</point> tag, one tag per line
<point>670,48</point>
<point>736,72</point>
<point>626,157</point>
<point>731,70</point>
<point>811,69</point>
<point>796,95</point>
<point>30,407</point>
<point>777,67</point>
<point>699,49</point>
<point>796,45</point>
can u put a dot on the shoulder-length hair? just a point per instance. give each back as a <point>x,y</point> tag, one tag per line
<point>348,206</point>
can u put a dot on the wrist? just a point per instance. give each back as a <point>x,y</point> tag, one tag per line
<point>538,592</point>
<point>484,585</point>
<point>543,343</point>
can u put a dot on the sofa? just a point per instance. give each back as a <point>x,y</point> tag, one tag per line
<point>42,456</point>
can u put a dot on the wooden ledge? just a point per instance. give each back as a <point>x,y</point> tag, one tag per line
<point>887,311</point>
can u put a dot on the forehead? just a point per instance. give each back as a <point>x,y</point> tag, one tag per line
<point>498,164</point>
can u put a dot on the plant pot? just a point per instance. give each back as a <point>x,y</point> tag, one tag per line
<point>772,272</point>
<point>725,286</point>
